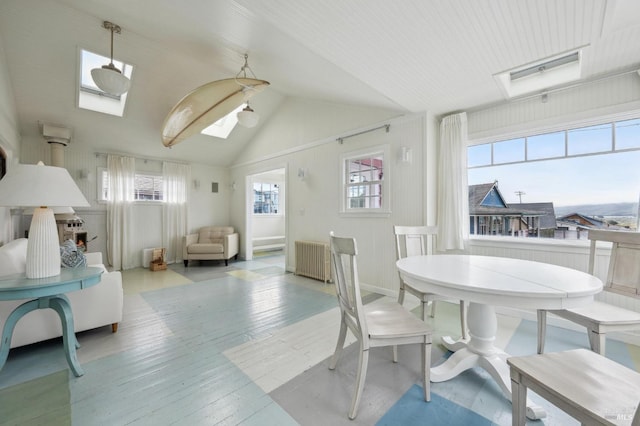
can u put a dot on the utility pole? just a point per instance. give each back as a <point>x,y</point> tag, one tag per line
<point>520,194</point>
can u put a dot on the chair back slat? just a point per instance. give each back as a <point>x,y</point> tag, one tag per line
<point>414,240</point>
<point>343,254</point>
<point>623,274</point>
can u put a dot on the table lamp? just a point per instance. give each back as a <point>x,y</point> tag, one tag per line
<point>40,186</point>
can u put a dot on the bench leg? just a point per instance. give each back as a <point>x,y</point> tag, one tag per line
<point>542,329</point>
<point>518,401</point>
<point>597,342</point>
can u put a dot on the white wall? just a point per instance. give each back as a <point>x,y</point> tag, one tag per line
<point>303,134</point>
<point>9,137</point>
<point>205,207</point>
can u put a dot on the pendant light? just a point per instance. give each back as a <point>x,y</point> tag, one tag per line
<point>247,117</point>
<point>209,103</point>
<point>110,79</point>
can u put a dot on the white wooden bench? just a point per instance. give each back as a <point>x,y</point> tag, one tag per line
<point>275,242</point>
<point>591,388</point>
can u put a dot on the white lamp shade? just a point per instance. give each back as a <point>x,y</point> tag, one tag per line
<point>248,118</point>
<point>28,185</point>
<point>110,81</point>
<point>39,185</point>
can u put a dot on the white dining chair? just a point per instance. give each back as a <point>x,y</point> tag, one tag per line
<point>623,277</point>
<point>380,323</point>
<point>420,241</point>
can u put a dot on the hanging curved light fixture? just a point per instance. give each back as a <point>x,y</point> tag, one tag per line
<point>209,103</point>
<point>110,79</point>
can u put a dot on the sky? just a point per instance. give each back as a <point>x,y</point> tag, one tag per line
<point>601,179</point>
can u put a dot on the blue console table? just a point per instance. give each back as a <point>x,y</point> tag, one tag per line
<point>46,293</point>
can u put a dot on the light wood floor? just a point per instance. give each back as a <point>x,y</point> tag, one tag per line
<point>249,344</point>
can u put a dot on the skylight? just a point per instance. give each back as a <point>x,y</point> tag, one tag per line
<point>92,98</point>
<point>544,74</point>
<point>223,127</point>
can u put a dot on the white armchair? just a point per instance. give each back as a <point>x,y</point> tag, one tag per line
<point>211,243</point>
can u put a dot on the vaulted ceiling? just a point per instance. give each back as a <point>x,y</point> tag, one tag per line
<point>408,56</point>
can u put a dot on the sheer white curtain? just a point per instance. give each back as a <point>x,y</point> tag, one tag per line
<point>121,172</point>
<point>453,190</point>
<point>175,179</point>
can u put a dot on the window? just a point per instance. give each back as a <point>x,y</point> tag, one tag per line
<point>365,182</point>
<point>223,127</point>
<point>147,187</point>
<point>266,198</point>
<point>89,95</point>
<point>573,179</point>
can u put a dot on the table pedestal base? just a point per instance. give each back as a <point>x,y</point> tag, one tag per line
<point>61,305</point>
<point>479,351</point>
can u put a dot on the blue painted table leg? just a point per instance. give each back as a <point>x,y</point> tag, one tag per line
<point>63,308</point>
<point>64,296</point>
<point>61,305</point>
<point>10,324</point>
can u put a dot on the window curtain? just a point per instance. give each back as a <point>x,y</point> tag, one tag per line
<point>453,190</point>
<point>175,180</point>
<point>121,172</point>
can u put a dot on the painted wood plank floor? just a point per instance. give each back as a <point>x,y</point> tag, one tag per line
<point>249,344</point>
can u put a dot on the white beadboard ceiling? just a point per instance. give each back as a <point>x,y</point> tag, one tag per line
<point>405,56</point>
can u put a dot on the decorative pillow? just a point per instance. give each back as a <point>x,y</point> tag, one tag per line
<point>70,256</point>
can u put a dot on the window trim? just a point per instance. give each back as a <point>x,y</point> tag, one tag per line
<point>612,119</point>
<point>385,209</point>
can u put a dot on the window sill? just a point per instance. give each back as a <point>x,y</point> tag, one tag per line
<point>534,244</point>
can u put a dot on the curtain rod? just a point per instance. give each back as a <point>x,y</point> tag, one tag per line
<point>158,160</point>
<point>384,126</point>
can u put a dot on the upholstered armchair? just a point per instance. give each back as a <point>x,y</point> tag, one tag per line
<point>211,243</point>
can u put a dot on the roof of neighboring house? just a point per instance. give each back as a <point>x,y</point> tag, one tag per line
<point>481,192</point>
<point>477,193</point>
<point>548,220</point>
<point>502,211</point>
<point>574,217</point>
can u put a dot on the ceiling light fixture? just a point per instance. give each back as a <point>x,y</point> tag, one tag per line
<point>248,117</point>
<point>110,79</point>
<point>209,103</point>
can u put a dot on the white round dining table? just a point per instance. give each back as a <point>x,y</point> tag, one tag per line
<point>486,282</point>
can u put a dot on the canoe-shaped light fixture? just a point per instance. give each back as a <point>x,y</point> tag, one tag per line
<point>209,103</point>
